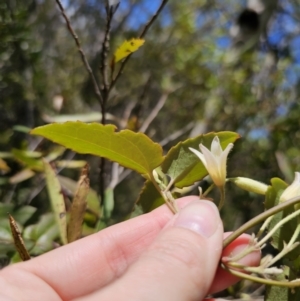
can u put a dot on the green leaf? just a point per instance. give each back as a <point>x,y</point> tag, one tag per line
<point>85,117</point>
<point>23,214</point>
<point>276,293</point>
<point>137,211</point>
<point>6,239</point>
<point>21,128</point>
<point>285,233</point>
<point>183,166</point>
<point>31,162</point>
<point>70,163</point>
<point>54,153</point>
<point>4,209</point>
<point>132,150</point>
<point>149,197</point>
<point>42,234</point>
<point>21,176</point>
<point>57,201</point>
<point>274,191</point>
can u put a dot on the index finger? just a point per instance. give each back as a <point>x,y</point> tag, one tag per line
<point>90,263</point>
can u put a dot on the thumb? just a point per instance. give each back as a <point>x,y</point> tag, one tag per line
<point>180,264</point>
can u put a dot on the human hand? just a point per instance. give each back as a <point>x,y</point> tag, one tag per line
<point>156,256</point>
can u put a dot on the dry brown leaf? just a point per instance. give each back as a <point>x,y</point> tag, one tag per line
<point>18,240</point>
<point>78,206</point>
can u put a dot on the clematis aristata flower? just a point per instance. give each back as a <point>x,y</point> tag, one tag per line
<point>214,160</point>
<point>291,191</point>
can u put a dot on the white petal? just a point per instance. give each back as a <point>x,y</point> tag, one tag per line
<point>223,158</point>
<point>293,190</point>
<point>212,163</point>
<point>216,148</point>
<point>199,155</point>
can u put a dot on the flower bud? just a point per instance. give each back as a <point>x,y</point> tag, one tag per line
<point>250,185</point>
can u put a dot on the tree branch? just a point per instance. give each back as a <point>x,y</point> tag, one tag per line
<point>154,112</point>
<point>82,54</point>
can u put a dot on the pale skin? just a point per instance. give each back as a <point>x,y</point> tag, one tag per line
<point>156,256</point>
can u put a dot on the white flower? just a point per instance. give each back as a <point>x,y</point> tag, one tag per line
<point>214,160</point>
<point>291,191</point>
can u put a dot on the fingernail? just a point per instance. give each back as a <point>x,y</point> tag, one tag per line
<point>200,216</point>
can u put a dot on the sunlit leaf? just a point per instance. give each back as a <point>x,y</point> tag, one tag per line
<point>132,150</point>
<point>87,117</point>
<point>70,163</point>
<point>54,153</point>
<point>6,155</point>
<point>21,128</point>
<point>183,166</point>
<point>29,161</point>
<point>57,201</point>
<point>78,206</point>
<point>127,48</point>
<point>21,176</point>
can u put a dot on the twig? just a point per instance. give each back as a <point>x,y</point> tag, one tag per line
<point>154,17</point>
<point>115,172</point>
<point>143,33</point>
<point>177,134</point>
<point>83,57</point>
<point>110,11</point>
<point>105,45</point>
<point>130,106</point>
<point>259,218</point>
<point>154,112</point>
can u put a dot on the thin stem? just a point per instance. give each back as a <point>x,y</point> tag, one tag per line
<point>208,190</point>
<point>278,225</point>
<point>288,248</point>
<point>166,199</point>
<point>222,197</point>
<point>82,54</point>
<point>241,255</point>
<point>143,33</point>
<point>154,112</point>
<point>285,250</point>
<point>258,219</point>
<point>295,235</point>
<point>264,226</point>
<point>169,186</point>
<point>290,284</point>
<point>110,11</point>
<point>105,45</point>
